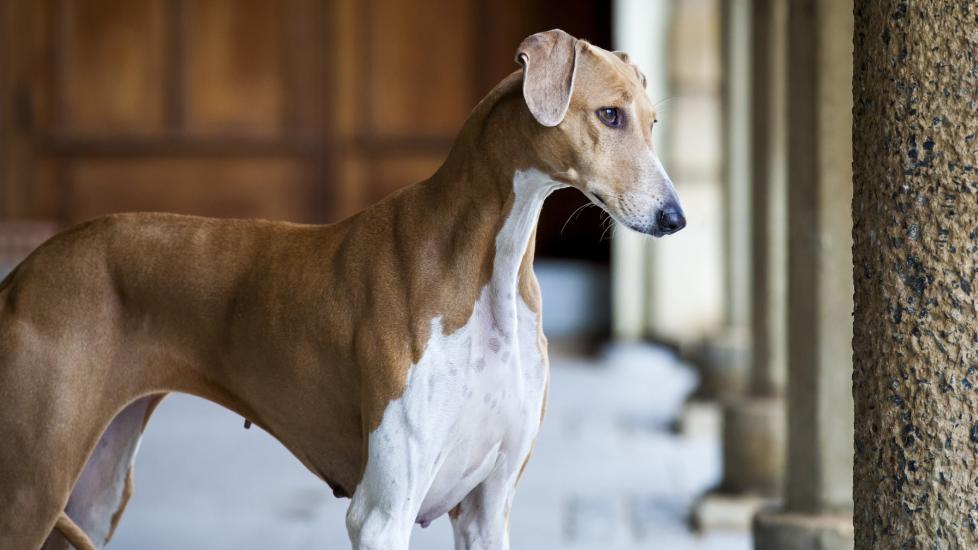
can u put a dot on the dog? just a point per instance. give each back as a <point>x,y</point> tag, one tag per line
<point>398,354</point>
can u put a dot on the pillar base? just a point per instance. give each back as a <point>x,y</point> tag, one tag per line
<point>754,446</point>
<point>724,512</point>
<point>700,419</point>
<point>776,530</point>
<point>721,362</point>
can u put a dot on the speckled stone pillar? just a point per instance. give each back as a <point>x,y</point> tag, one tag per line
<point>818,485</point>
<point>915,207</point>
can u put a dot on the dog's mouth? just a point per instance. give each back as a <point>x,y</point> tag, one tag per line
<point>645,229</point>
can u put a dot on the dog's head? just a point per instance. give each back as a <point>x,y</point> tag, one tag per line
<point>597,124</point>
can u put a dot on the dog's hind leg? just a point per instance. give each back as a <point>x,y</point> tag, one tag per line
<point>45,435</point>
<point>102,491</point>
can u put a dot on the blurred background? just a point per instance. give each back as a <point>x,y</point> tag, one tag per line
<point>668,411</point>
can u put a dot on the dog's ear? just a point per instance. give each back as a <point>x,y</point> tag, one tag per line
<point>549,62</point>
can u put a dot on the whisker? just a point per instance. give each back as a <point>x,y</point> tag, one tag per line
<point>608,222</point>
<point>614,230</point>
<point>572,214</point>
<point>664,100</point>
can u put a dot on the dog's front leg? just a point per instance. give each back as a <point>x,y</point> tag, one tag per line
<point>386,502</point>
<point>481,520</point>
<point>381,514</point>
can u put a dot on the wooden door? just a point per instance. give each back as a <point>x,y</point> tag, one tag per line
<point>307,110</point>
<point>213,107</point>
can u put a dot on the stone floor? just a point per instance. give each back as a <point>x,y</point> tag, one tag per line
<point>607,473</point>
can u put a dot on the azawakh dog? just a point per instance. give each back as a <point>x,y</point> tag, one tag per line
<point>398,354</point>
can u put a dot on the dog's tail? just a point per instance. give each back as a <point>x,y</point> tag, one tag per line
<point>71,531</point>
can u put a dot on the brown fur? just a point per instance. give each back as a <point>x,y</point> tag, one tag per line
<point>309,331</point>
<point>73,533</point>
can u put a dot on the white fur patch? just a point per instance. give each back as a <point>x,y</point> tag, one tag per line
<point>472,405</point>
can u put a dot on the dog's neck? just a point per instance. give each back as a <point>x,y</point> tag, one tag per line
<point>496,178</point>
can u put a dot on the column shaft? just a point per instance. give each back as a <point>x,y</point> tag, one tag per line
<point>916,227</point>
<point>819,258</point>
<point>753,425</point>
<point>768,224</point>
<point>641,29</point>
<point>737,81</point>
<point>817,511</point>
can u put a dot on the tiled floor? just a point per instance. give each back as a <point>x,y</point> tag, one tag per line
<point>606,474</point>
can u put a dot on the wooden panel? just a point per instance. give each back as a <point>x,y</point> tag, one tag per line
<point>309,54</point>
<point>112,66</point>
<point>271,108</point>
<point>349,69</point>
<point>234,66</point>
<point>25,97</point>
<point>275,188</point>
<point>390,173</point>
<point>18,239</point>
<point>352,188</point>
<point>420,68</point>
<point>505,24</point>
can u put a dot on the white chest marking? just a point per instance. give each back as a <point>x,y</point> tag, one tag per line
<point>472,403</point>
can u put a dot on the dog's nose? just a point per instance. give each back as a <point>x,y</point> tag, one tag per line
<point>671,219</point>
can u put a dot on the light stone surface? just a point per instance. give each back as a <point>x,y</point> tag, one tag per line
<point>718,512</point>
<point>737,97</point>
<point>916,238</point>
<point>754,446</point>
<point>722,361</point>
<point>769,201</point>
<point>816,514</point>
<point>672,289</point>
<point>606,473</point>
<point>788,531</point>
<point>819,397</point>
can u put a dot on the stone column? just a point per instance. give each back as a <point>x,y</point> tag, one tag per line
<point>641,29</point>
<point>753,424</point>
<point>915,337</point>
<point>723,356</point>
<point>669,290</point>
<point>737,79</point>
<point>732,343</point>
<point>768,201</point>
<point>818,502</point>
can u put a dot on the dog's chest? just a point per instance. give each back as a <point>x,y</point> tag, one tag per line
<point>473,402</point>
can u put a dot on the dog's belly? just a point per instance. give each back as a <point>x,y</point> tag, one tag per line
<point>472,406</point>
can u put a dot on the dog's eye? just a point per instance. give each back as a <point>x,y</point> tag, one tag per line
<point>610,116</point>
